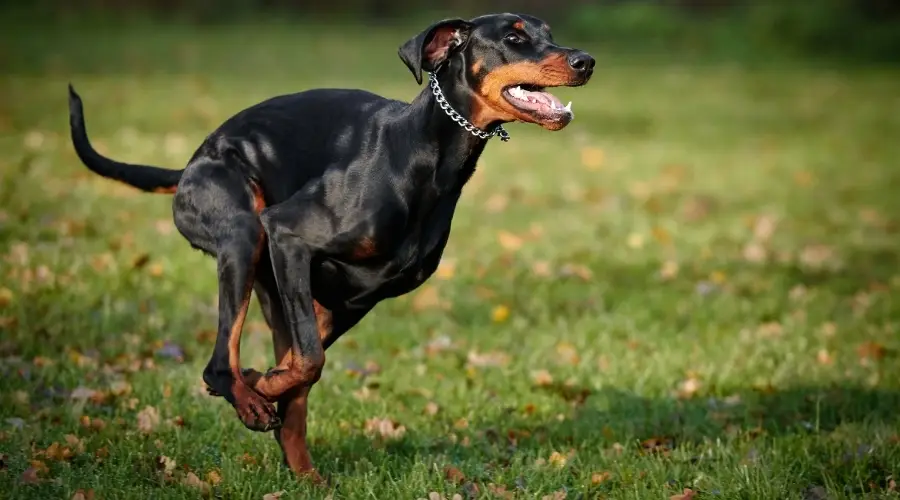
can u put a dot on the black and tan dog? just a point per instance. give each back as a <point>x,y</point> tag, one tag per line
<point>326,202</point>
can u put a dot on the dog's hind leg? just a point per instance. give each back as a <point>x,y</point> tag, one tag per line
<point>217,210</point>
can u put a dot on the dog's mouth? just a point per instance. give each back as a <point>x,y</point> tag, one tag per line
<point>544,107</point>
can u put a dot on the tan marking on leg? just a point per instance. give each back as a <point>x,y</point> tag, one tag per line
<point>324,320</point>
<point>293,434</point>
<point>292,369</point>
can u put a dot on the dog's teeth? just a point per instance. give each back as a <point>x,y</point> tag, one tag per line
<point>568,107</point>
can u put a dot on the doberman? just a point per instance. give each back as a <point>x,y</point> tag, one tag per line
<point>327,201</point>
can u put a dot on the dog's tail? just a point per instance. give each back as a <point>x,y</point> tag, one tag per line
<point>145,178</point>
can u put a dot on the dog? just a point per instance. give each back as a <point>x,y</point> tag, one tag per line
<point>328,201</point>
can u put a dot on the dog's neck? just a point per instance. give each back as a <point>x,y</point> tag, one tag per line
<point>458,148</point>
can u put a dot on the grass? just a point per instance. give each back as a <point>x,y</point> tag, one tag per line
<point>693,286</point>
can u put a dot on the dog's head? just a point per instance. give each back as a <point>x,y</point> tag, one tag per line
<point>506,61</point>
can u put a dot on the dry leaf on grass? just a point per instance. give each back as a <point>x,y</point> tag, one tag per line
<point>446,269</point>
<point>83,495</point>
<point>454,475</point>
<point>496,203</point>
<point>427,297</point>
<point>592,157</point>
<point>30,476</point>
<point>824,357</point>
<point>148,419</point>
<point>688,387</point>
<point>568,353</point>
<point>556,495</point>
<point>492,358</point>
<point>557,460</point>
<point>661,445</point>
<point>191,480</point>
<point>541,377</point>
<point>500,491</point>
<point>384,428</point>
<point>431,408</point>
<point>509,241</point>
<point>273,496</point>
<point>500,314</point>
<point>686,494</point>
<point>600,477</point>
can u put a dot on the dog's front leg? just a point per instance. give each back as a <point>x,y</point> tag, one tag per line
<point>300,366</point>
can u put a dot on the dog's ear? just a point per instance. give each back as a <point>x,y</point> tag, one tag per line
<point>427,50</point>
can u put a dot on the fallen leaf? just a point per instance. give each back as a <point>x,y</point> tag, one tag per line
<point>385,428</point>
<point>592,157</point>
<point>600,477</point>
<point>577,270</point>
<point>30,476</point>
<point>166,465</point>
<point>557,460</point>
<point>500,314</point>
<point>661,235</point>
<point>500,491</point>
<point>492,358</point>
<point>120,388</point>
<point>661,445</point>
<point>509,241</point>
<point>823,357</point>
<point>870,351</point>
<point>273,496</point>
<point>213,477</point>
<point>541,377</point>
<point>816,256</point>
<point>427,298</point>
<point>542,269</point>
<point>755,252</point>
<point>770,329</point>
<point>689,387</point>
<point>82,393</point>
<point>6,296</point>
<point>76,443</point>
<point>556,495</point>
<point>568,353</point>
<point>156,270</point>
<point>140,261</point>
<point>191,480</point>
<point>83,495</point>
<point>431,408</point>
<point>635,241</point>
<point>686,494</point>
<point>668,270</point>
<point>41,361</point>
<point>446,269</point>
<point>148,419</point>
<point>454,475</point>
<point>496,203</point>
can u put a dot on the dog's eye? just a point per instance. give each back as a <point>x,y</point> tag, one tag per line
<point>514,38</point>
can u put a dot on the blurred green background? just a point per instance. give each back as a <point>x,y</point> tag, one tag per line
<point>694,285</point>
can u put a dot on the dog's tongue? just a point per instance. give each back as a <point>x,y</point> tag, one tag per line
<point>539,98</point>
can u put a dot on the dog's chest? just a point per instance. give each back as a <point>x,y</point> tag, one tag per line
<point>404,262</point>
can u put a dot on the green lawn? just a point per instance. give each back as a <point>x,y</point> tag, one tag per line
<point>694,286</point>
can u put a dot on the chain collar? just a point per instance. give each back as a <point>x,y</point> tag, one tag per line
<point>458,118</point>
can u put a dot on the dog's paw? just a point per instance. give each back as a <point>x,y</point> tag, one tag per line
<point>256,413</point>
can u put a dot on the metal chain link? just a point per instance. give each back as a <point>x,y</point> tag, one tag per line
<point>477,132</point>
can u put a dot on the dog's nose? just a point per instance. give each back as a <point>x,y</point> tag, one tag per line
<point>581,62</point>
